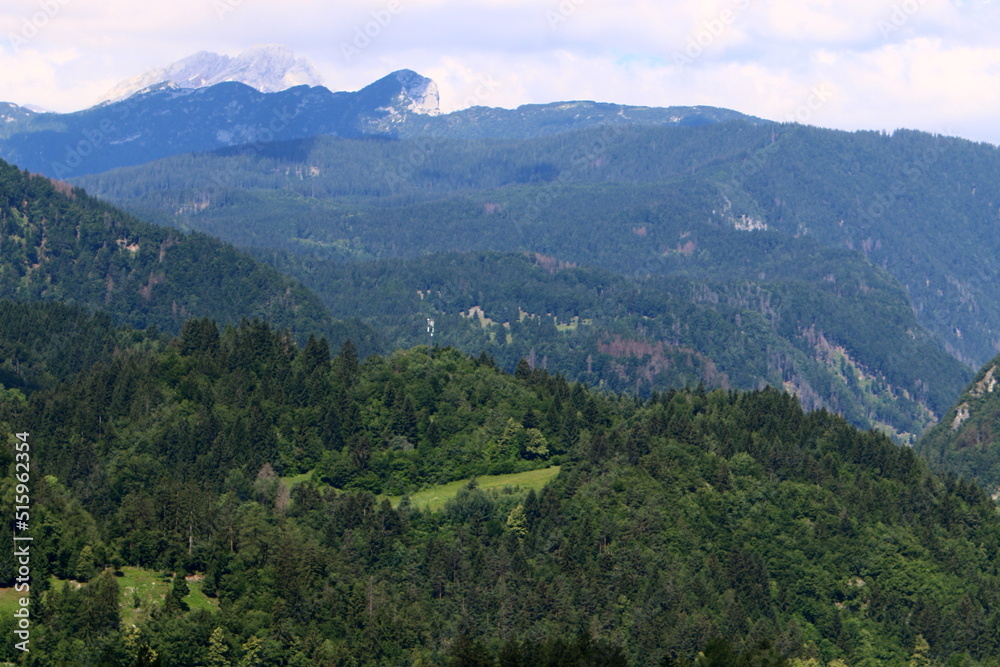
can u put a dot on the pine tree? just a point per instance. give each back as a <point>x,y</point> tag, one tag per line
<point>218,650</point>
<point>99,612</point>
<point>920,650</point>
<point>178,591</point>
<point>137,647</point>
<point>347,368</point>
<point>85,567</point>
<point>252,653</point>
<point>517,522</point>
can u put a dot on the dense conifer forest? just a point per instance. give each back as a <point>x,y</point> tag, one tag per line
<point>850,343</point>
<point>858,243</point>
<point>59,244</point>
<point>258,472</point>
<point>965,441</point>
<point>625,197</point>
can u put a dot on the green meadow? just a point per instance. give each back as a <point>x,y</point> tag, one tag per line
<point>435,497</point>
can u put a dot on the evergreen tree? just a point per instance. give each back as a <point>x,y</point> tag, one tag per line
<point>179,590</point>
<point>218,650</point>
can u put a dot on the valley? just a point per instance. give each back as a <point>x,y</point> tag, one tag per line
<point>338,378</point>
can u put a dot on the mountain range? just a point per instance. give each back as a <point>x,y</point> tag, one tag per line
<point>253,441</point>
<point>701,201</point>
<point>920,206</point>
<point>681,191</point>
<point>165,117</point>
<point>268,68</point>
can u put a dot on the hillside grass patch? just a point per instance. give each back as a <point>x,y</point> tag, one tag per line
<point>435,497</point>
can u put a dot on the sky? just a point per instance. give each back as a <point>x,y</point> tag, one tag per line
<point>932,65</point>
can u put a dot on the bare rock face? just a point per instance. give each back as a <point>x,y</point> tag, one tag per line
<point>10,113</point>
<point>420,93</point>
<point>268,68</point>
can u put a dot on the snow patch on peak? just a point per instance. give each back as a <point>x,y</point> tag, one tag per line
<point>269,68</point>
<point>10,112</point>
<point>420,94</point>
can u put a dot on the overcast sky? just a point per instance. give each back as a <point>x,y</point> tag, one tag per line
<point>932,65</point>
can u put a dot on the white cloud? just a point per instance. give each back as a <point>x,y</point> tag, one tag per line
<point>928,64</point>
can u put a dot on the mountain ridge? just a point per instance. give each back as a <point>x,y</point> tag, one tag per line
<point>164,118</point>
<point>654,191</point>
<point>60,244</point>
<point>268,68</point>
<point>966,442</point>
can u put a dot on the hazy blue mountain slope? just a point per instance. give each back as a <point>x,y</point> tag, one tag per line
<point>540,120</point>
<point>59,244</point>
<point>166,120</point>
<point>625,198</point>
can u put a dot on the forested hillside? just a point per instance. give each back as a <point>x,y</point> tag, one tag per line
<point>45,343</point>
<point>724,522</point>
<point>967,440</point>
<point>59,244</point>
<point>621,196</point>
<point>308,378</point>
<point>687,203</point>
<point>822,323</point>
<point>218,478</point>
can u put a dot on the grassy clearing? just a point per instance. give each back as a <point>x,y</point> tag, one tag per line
<point>148,586</point>
<point>435,497</point>
<point>294,480</point>
<point>151,588</point>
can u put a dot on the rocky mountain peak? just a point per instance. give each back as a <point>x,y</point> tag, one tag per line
<point>420,92</point>
<point>268,68</point>
<point>10,112</point>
